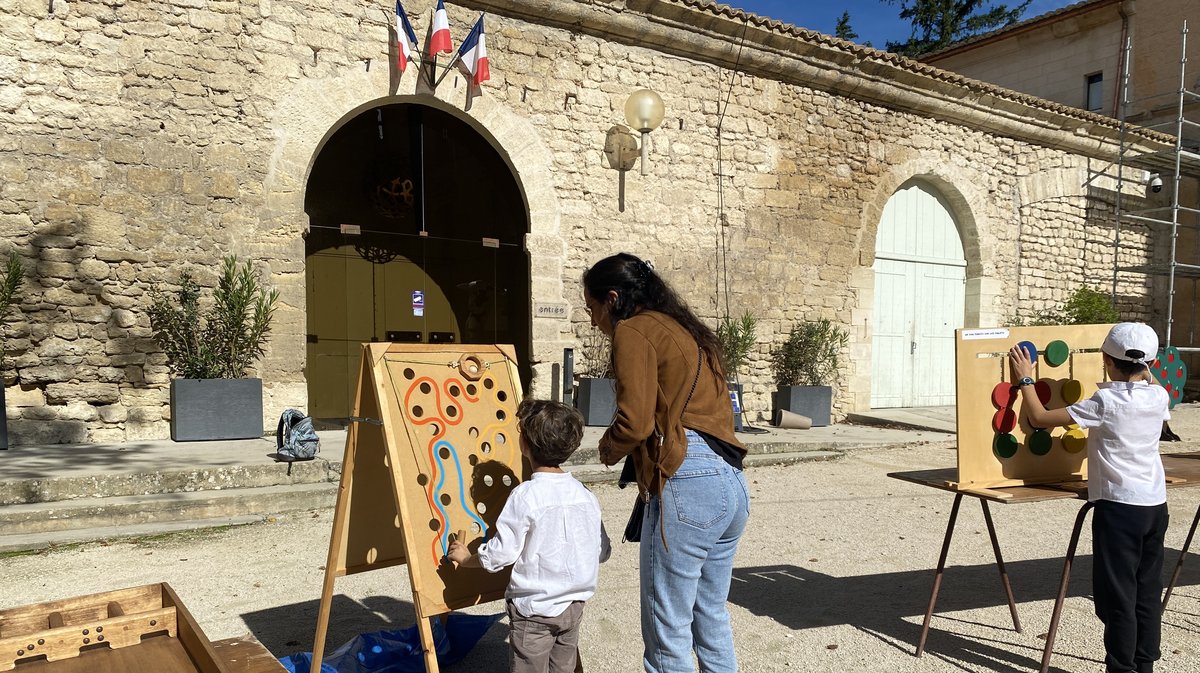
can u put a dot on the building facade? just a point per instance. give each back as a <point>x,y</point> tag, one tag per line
<point>796,176</point>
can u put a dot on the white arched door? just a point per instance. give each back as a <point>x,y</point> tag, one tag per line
<point>920,279</point>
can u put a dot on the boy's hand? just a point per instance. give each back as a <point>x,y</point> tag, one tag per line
<point>458,552</point>
<point>1022,366</point>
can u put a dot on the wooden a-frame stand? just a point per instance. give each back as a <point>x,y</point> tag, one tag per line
<point>378,516</point>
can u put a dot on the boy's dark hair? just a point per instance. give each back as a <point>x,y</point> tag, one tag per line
<point>1126,367</point>
<point>552,430</point>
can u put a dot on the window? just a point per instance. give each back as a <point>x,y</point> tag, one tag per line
<point>1095,92</point>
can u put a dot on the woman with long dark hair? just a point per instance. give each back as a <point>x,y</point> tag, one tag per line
<point>675,419</point>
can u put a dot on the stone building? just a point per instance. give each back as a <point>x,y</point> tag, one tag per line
<point>796,176</point>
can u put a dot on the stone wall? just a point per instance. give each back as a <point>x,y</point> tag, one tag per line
<point>141,138</point>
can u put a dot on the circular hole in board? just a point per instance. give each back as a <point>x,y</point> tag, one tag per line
<point>475,528</point>
<point>474,432</point>
<point>489,384</point>
<point>372,555</point>
<point>434,525</point>
<point>487,480</point>
<point>435,428</point>
<point>507,480</point>
<point>451,411</point>
<point>500,415</point>
<point>445,499</point>
<point>500,438</point>
<point>471,389</point>
<point>409,373</point>
<point>425,387</point>
<point>485,448</point>
<point>454,391</point>
<point>481,508</point>
<point>473,460</point>
<point>444,453</point>
<point>417,412</point>
<point>422,479</point>
<point>501,395</point>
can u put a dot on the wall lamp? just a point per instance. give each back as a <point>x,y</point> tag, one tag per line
<point>643,112</point>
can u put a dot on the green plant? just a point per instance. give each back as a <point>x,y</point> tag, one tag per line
<point>737,339</point>
<point>10,284</point>
<point>1085,306</point>
<point>809,356</point>
<point>231,334</point>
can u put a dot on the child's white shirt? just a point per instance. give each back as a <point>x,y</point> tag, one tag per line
<point>1124,423</point>
<point>550,532</point>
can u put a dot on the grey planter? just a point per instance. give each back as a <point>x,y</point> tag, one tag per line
<point>812,401</point>
<point>596,399</point>
<point>205,409</point>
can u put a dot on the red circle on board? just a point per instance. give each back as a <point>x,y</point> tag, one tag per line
<point>1179,372</point>
<point>1176,393</point>
<point>1167,386</point>
<point>1164,373</point>
<point>1170,357</point>
<point>1043,391</point>
<point>1003,395</point>
<point>1004,421</point>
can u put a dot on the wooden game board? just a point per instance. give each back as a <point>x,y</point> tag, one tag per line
<point>133,630</point>
<point>996,444</point>
<point>433,452</point>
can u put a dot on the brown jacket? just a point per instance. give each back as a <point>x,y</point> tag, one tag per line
<point>654,359</point>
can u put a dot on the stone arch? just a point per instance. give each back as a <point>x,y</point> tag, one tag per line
<point>308,116</point>
<point>965,199</point>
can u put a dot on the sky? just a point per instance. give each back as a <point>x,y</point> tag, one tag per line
<point>875,21</point>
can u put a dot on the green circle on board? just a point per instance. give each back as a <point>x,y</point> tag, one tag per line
<point>1005,445</point>
<point>1057,352</point>
<point>1040,442</point>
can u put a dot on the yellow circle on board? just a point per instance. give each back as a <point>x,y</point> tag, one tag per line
<point>1072,391</point>
<point>1074,440</point>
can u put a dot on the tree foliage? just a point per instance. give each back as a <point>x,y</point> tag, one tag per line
<point>231,334</point>
<point>843,28</point>
<point>737,338</point>
<point>937,24</point>
<point>810,355</point>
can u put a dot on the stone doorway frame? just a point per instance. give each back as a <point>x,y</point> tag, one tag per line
<point>312,113</point>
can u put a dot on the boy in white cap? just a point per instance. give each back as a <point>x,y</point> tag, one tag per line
<point>1127,485</point>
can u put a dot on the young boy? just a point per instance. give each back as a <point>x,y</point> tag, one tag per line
<point>550,532</point>
<point>1128,487</point>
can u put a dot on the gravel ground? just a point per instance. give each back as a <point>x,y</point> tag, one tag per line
<point>833,574</point>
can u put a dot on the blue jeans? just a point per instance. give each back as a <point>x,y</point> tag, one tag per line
<point>703,511</point>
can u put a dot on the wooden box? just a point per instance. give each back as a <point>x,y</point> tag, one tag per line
<point>133,630</point>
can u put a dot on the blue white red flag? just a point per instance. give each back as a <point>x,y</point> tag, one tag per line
<point>439,42</point>
<point>406,37</point>
<point>472,55</point>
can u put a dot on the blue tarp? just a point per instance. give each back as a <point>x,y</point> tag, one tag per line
<point>400,651</point>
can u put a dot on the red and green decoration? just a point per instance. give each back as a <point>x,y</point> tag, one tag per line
<point>1171,372</point>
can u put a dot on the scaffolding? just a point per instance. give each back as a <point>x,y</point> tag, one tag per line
<point>1164,169</point>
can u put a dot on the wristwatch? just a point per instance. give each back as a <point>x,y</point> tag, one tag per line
<point>1025,381</point>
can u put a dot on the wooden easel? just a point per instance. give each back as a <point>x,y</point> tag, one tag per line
<point>427,420</point>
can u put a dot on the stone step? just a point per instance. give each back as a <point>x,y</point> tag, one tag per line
<point>129,510</point>
<point>37,525</point>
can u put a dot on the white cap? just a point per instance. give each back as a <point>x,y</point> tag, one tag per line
<point>1131,342</point>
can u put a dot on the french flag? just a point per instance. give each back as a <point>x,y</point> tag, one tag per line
<point>406,37</point>
<point>472,55</point>
<point>439,42</point>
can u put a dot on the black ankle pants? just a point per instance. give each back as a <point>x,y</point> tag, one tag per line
<point>1127,547</point>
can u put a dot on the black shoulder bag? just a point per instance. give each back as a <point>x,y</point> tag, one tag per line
<point>633,528</point>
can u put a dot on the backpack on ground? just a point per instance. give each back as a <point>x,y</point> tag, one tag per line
<point>295,438</point>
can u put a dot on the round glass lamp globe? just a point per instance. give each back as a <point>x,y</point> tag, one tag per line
<point>644,110</point>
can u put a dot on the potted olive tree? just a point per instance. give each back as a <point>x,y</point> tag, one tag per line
<point>210,350</point>
<point>804,365</point>
<point>596,395</point>
<point>737,339</point>
<point>10,284</point>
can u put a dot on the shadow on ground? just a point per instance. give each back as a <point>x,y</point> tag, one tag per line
<point>891,606</point>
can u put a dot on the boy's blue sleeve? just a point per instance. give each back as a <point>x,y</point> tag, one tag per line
<point>1088,413</point>
<point>512,527</point>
